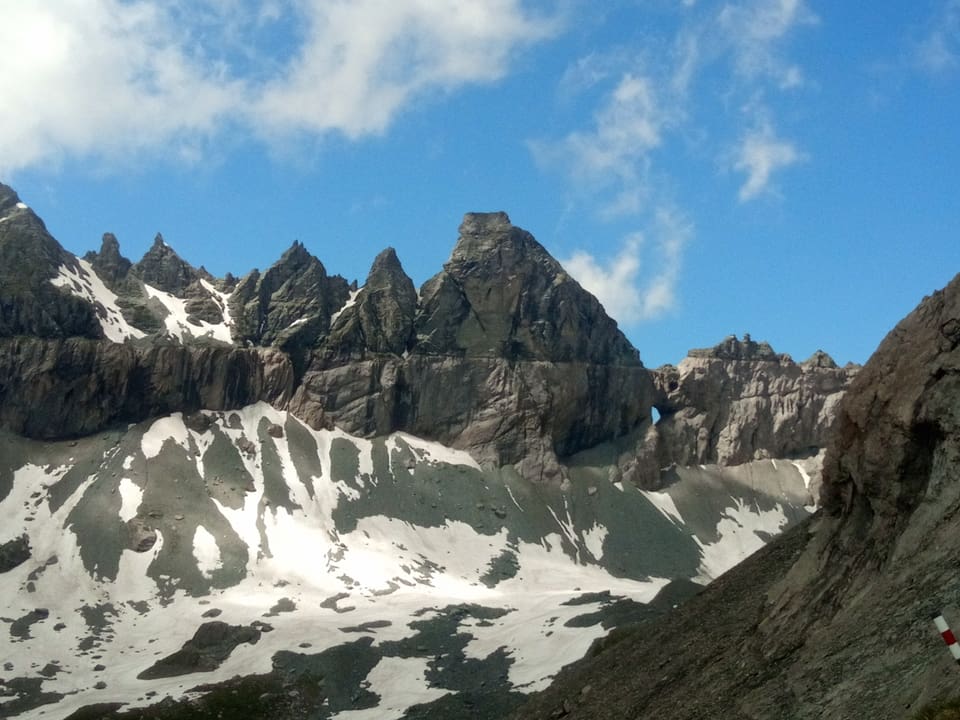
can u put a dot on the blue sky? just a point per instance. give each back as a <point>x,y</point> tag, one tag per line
<point>786,168</point>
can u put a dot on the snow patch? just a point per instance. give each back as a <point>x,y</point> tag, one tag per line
<point>352,300</point>
<point>177,324</point>
<point>664,503</point>
<point>86,284</point>
<point>167,428</point>
<point>400,683</point>
<point>130,498</point>
<point>206,551</point>
<point>740,533</point>
<point>593,539</point>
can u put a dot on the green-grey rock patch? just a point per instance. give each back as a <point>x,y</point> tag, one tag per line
<point>14,553</point>
<point>204,652</point>
<point>371,626</point>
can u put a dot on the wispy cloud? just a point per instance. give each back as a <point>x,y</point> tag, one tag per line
<point>759,156</point>
<point>365,60</point>
<point>109,78</point>
<point>627,293</point>
<point>654,97</point>
<point>611,157</point>
<point>756,30</point>
<point>939,50</point>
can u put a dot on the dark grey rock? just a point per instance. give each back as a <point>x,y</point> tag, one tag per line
<point>162,268</point>
<point>29,259</point>
<point>502,295</point>
<point>14,553</point>
<point>381,318</point>
<point>289,306</point>
<point>110,265</point>
<point>204,652</point>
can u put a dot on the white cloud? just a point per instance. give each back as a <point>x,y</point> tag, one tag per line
<point>364,60</point>
<point>755,29</point>
<point>614,282</point>
<point>613,154</point>
<point>627,293</point>
<point>113,78</point>
<point>759,155</point>
<point>99,76</point>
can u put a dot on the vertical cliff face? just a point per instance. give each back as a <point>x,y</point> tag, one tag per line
<point>741,401</point>
<point>501,353</point>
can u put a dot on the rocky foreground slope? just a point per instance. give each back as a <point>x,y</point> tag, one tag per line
<point>834,619</point>
<point>338,500</point>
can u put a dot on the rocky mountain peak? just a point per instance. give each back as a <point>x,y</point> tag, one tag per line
<point>739,401</point>
<point>503,295</point>
<point>110,265</point>
<point>819,359</point>
<point>291,303</point>
<point>164,269</point>
<point>386,262</point>
<point>8,199</point>
<point>489,242</point>
<point>297,256</point>
<point>731,348</point>
<point>380,317</point>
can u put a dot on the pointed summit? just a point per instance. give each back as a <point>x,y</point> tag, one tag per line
<point>290,304</point>
<point>30,258</point>
<point>110,265</point>
<point>162,268</point>
<point>503,295</point>
<point>380,318</point>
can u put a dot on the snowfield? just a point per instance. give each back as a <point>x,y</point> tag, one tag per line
<point>398,549</point>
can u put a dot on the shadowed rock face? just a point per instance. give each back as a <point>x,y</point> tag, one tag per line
<point>741,401</point>
<point>380,319</point>
<point>507,356</point>
<point>162,268</point>
<point>832,620</point>
<point>67,388</point>
<point>111,266</point>
<point>290,305</point>
<point>29,259</point>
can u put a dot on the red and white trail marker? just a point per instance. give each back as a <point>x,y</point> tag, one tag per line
<point>947,634</point>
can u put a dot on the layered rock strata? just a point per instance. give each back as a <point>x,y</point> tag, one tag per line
<point>741,401</point>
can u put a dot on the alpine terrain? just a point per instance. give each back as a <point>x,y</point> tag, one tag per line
<point>290,495</point>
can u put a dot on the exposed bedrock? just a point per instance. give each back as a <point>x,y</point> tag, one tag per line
<point>741,401</point>
<point>66,388</point>
<point>502,411</point>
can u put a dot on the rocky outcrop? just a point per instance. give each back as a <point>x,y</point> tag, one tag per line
<point>29,259</point>
<point>502,295</point>
<point>832,620</point>
<point>379,319</point>
<point>290,305</point>
<point>509,357</point>
<point>109,264</point>
<point>741,401</point>
<point>74,387</point>
<point>162,268</point>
